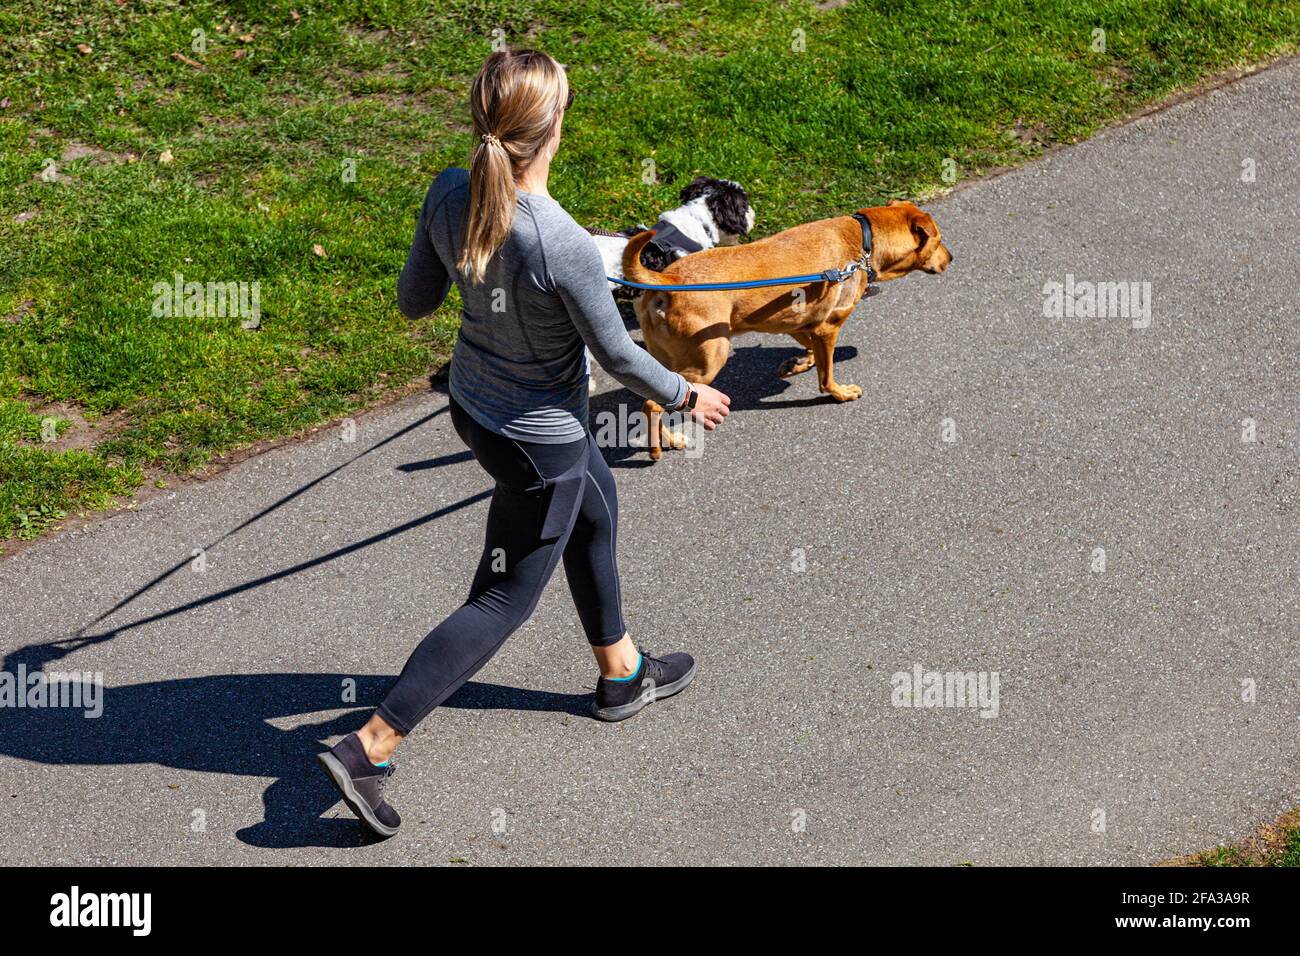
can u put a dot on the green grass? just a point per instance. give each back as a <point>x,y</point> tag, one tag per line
<point>882,95</point>
<point>1275,844</point>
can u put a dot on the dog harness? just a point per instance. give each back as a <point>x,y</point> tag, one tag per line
<point>668,238</point>
<point>671,241</point>
<point>830,275</point>
<point>866,248</point>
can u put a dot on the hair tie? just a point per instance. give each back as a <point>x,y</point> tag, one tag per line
<point>491,138</point>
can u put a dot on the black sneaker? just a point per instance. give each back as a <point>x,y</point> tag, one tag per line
<point>361,784</point>
<point>655,679</point>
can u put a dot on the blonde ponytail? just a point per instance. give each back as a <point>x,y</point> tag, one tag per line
<point>514,101</point>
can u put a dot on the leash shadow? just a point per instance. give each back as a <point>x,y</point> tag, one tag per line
<point>435,385</point>
<point>442,461</point>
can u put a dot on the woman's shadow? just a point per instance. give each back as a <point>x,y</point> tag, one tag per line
<point>272,725</point>
<point>255,725</point>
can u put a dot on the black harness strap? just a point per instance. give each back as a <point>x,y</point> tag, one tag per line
<point>865,223</point>
<point>669,239</point>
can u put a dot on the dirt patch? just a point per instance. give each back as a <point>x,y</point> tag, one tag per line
<point>1036,135</point>
<point>51,174</point>
<point>52,171</point>
<point>75,151</point>
<point>81,433</point>
<point>415,102</point>
<point>18,314</point>
<point>366,35</point>
<point>1113,75</point>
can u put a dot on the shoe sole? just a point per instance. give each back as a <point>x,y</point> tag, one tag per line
<point>343,783</point>
<point>624,711</point>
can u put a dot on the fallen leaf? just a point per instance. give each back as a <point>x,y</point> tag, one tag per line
<point>247,37</point>
<point>294,14</point>
<point>4,103</point>
<point>319,250</point>
<point>84,48</point>
<point>239,54</point>
<point>165,156</point>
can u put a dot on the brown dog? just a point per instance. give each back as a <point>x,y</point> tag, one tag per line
<point>690,332</point>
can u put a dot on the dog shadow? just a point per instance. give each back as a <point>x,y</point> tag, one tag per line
<point>250,725</point>
<point>749,378</point>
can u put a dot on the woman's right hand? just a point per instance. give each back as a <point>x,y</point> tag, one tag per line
<point>711,407</point>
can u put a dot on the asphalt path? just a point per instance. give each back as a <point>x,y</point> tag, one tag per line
<point>808,554</point>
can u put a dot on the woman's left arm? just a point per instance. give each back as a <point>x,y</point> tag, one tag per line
<point>579,278</point>
<point>424,282</point>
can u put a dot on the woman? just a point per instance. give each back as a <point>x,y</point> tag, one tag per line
<point>534,292</point>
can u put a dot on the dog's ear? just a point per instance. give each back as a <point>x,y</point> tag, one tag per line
<point>729,207</point>
<point>923,228</point>
<point>696,188</point>
<point>654,258</point>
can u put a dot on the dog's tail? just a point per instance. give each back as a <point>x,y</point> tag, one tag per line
<point>632,268</point>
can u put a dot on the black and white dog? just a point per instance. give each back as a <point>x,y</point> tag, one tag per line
<point>713,212</point>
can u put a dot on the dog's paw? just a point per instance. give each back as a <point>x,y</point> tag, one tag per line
<point>675,440</point>
<point>846,393</point>
<point>795,366</point>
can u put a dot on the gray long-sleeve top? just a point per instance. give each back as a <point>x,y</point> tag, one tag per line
<point>519,367</point>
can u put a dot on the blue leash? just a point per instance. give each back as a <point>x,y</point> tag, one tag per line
<point>830,275</point>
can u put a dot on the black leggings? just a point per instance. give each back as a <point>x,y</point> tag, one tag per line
<point>549,500</point>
